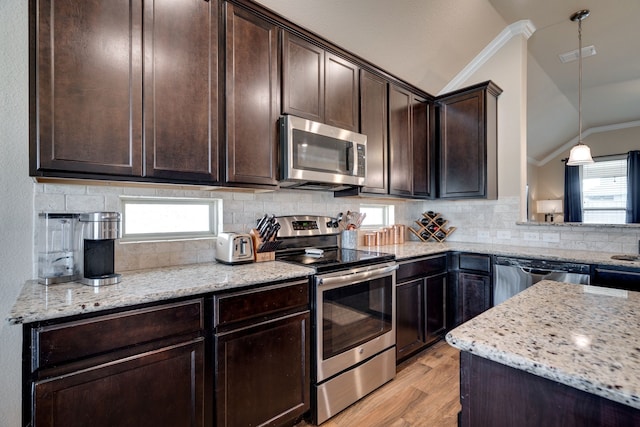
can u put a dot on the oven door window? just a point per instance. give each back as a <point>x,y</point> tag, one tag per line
<point>320,153</point>
<point>355,314</point>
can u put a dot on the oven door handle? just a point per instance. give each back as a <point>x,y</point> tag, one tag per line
<point>355,277</point>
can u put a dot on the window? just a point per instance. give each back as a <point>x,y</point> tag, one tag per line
<point>145,218</point>
<point>377,215</point>
<point>604,191</point>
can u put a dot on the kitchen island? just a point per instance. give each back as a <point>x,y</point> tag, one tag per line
<point>556,354</point>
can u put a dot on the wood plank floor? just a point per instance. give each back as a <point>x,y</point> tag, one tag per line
<point>424,393</point>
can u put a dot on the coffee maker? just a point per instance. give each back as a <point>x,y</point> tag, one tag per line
<point>57,253</point>
<point>97,234</point>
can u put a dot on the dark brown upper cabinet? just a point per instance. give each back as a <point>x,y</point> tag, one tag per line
<point>400,143</point>
<point>373,123</point>
<point>86,87</point>
<point>468,142</point>
<point>181,90</point>
<point>410,144</point>
<point>252,98</point>
<point>341,93</point>
<point>423,137</point>
<point>318,85</point>
<point>124,88</point>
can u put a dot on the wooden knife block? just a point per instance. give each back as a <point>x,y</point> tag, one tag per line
<point>257,242</point>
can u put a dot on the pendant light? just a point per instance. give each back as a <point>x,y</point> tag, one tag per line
<point>580,154</point>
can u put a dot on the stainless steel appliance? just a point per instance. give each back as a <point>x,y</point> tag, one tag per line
<point>513,275</point>
<point>234,248</point>
<point>353,312</point>
<point>97,235</point>
<point>319,156</point>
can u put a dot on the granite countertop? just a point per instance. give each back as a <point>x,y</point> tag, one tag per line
<point>39,302</point>
<point>414,249</point>
<point>583,336</point>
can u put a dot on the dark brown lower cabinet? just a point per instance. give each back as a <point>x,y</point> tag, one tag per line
<point>496,395</point>
<point>262,373</point>
<point>158,388</point>
<point>470,290</point>
<point>410,333</point>
<point>475,294</point>
<point>135,367</point>
<point>262,366</point>
<point>420,304</point>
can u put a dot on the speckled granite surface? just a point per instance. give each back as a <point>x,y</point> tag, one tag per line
<point>39,302</point>
<point>416,249</point>
<point>566,333</point>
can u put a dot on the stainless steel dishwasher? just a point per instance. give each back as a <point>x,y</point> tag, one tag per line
<point>513,275</point>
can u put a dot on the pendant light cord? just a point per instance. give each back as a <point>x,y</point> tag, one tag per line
<point>579,81</point>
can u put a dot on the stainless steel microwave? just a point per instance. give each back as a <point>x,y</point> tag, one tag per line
<point>319,156</point>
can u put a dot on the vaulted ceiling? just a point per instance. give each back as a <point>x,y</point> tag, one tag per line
<point>428,42</point>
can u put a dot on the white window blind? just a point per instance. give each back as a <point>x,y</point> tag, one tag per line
<point>604,191</point>
<point>150,218</point>
<point>377,215</point>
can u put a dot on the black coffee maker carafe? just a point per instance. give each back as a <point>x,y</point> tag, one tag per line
<point>97,235</point>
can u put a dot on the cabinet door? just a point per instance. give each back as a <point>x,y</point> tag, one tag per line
<point>400,142</point>
<point>468,143</point>
<point>463,150</point>
<point>436,306</point>
<point>475,294</point>
<point>158,388</point>
<point>86,104</point>
<point>410,331</point>
<point>303,78</point>
<point>252,98</point>
<point>262,373</point>
<point>373,123</point>
<point>341,93</point>
<point>181,89</point>
<point>423,149</point>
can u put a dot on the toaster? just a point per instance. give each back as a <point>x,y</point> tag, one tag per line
<point>234,248</point>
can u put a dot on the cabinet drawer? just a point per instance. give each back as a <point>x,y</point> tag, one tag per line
<point>475,262</point>
<point>421,268</point>
<point>71,341</point>
<point>262,302</point>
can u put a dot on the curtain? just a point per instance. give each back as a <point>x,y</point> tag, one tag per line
<point>572,194</point>
<point>633,187</point>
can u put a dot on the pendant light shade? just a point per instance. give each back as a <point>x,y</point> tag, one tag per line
<point>580,154</point>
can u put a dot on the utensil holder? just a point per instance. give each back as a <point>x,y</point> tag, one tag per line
<point>349,239</point>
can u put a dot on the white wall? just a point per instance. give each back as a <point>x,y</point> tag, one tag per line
<point>16,197</point>
<point>508,69</point>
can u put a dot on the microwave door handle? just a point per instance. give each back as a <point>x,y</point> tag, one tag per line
<point>352,165</point>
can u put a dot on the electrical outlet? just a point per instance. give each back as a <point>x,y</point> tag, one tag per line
<point>531,236</point>
<point>504,234</point>
<point>483,235</point>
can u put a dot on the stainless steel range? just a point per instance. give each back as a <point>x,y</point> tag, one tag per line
<point>353,312</point>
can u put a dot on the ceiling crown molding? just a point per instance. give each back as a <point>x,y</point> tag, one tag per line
<point>523,28</point>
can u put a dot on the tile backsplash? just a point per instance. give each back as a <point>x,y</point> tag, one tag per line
<point>479,221</point>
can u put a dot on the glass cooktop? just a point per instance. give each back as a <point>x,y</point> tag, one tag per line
<point>334,259</point>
